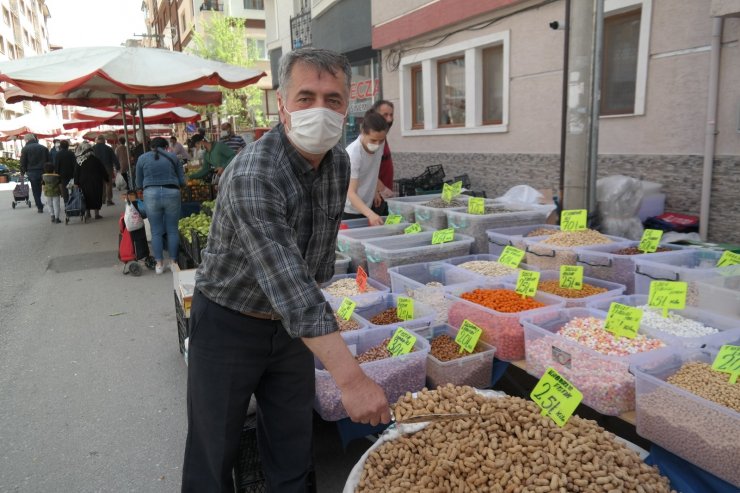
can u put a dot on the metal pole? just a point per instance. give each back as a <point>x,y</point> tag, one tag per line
<point>141,123</point>
<point>593,146</point>
<point>564,106</point>
<point>122,98</point>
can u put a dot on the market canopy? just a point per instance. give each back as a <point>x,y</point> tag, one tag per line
<point>41,126</point>
<point>151,115</point>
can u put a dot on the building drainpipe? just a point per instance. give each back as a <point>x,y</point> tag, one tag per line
<point>710,138</point>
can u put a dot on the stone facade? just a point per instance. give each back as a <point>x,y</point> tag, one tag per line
<point>680,176</point>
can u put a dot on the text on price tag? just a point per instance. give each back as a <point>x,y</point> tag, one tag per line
<point>346,309</point>
<point>477,205</point>
<point>574,220</point>
<point>402,342</point>
<point>412,229</point>
<point>668,295</point>
<point>556,396</point>
<point>728,258</point>
<point>443,236</point>
<point>527,282</point>
<point>511,256</point>
<point>571,276</point>
<point>728,361</point>
<point>361,279</point>
<point>650,240</point>
<point>467,336</point>
<point>623,320</point>
<point>405,308</point>
<point>393,219</point>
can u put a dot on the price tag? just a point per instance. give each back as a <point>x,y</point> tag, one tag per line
<point>574,220</point>
<point>556,396</point>
<point>668,295</point>
<point>650,240</point>
<point>414,228</point>
<point>443,236</point>
<point>728,258</point>
<point>447,193</point>
<point>571,277</point>
<point>361,279</point>
<point>526,283</point>
<point>405,308</point>
<point>468,335</point>
<point>402,342</point>
<point>393,219</point>
<point>477,205</point>
<point>623,320</point>
<point>728,361</point>
<point>346,309</point>
<point>511,256</point>
<point>456,188</point>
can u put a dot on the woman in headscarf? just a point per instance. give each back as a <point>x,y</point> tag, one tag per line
<point>90,175</point>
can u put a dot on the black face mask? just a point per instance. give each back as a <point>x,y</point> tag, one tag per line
<point>390,125</point>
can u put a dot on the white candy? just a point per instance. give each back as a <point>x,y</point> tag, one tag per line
<point>674,324</point>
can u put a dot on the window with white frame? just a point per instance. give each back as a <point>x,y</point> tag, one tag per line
<point>257,48</point>
<point>460,88</point>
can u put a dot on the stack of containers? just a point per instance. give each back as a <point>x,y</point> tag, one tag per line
<point>477,225</point>
<point>500,329</point>
<point>489,269</point>
<point>396,375</point>
<point>372,294</point>
<point>423,313</point>
<point>696,428</point>
<point>404,206</point>
<point>720,293</point>
<point>341,263</point>
<point>602,262</point>
<point>384,253</point>
<point>551,256</point>
<point>690,327</point>
<point>572,300</point>
<point>473,369</point>
<point>500,238</point>
<point>436,217</point>
<point>604,379</point>
<point>350,242</point>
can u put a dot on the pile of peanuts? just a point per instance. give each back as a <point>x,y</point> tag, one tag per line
<point>488,268</point>
<point>576,238</point>
<point>346,325</point>
<point>553,287</point>
<point>699,378</point>
<point>377,352</point>
<point>542,232</point>
<point>347,287</point>
<point>386,317</point>
<point>506,447</point>
<point>444,348</point>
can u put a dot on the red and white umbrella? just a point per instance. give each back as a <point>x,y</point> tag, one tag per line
<point>93,117</point>
<point>42,127</point>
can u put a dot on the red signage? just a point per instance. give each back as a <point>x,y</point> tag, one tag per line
<point>364,89</point>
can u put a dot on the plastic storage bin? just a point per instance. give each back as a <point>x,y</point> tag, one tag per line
<point>500,238</point>
<point>612,290</point>
<point>477,225</point>
<point>601,262</point>
<point>361,322</point>
<point>689,265</point>
<point>486,257</point>
<point>701,431</point>
<point>720,294</point>
<point>383,253</point>
<point>395,375</point>
<point>605,381</point>
<point>341,264</point>
<point>350,242</point>
<point>436,217</point>
<point>551,257</point>
<point>423,313</point>
<point>723,324</point>
<point>368,297</point>
<point>474,369</point>
<point>502,330</point>
<point>361,222</point>
<point>404,206</point>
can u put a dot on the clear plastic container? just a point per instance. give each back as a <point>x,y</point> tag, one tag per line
<point>477,225</point>
<point>384,253</point>
<point>395,375</point>
<point>605,380</point>
<point>341,264</point>
<point>351,242</point>
<point>601,262</point>
<point>487,257</point>
<point>362,323</point>
<point>361,299</point>
<point>474,369</point>
<point>423,313</point>
<point>436,217</point>
<point>552,257</point>
<point>404,206</point>
<point>720,294</point>
<point>361,222</point>
<point>502,330</point>
<point>612,290</point>
<point>698,430</point>
<point>500,238</point>
<point>723,324</point>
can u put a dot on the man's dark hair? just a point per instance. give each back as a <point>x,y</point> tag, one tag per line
<point>173,138</point>
<point>48,168</point>
<point>378,104</point>
<point>320,59</point>
<point>373,122</point>
<point>197,138</point>
<point>64,145</point>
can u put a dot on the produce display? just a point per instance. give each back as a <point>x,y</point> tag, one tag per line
<point>541,232</point>
<point>386,317</point>
<point>576,238</point>
<point>488,268</point>
<point>501,300</point>
<point>553,287</point>
<point>342,288</point>
<point>446,364</point>
<point>558,249</point>
<point>444,348</point>
<point>196,191</point>
<point>346,325</point>
<point>208,206</point>
<point>589,332</point>
<point>636,251</point>
<point>199,222</point>
<point>433,295</point>
<point>699,378</point>
<point>506,446</point>
<point>376,353</point>
<point>674,323</point>
<point>439,203</point>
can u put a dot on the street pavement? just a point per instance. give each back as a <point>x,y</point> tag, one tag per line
<point>92,385</point>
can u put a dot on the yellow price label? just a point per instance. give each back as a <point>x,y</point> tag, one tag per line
<point>511,256</point>
<point>623,320</point>
<point>477,205</point>
<point>443,236</point>
<point>468,335</point>
<point>728,258</point>
<point>728,361</point>
<point>668,295</point>
<point>346,309</point>
<point>556,396</point>
<point>393,219</point>
<point>574,220</point>
<point>412,229</point>
<point>402,342</point>
<point>447,192</point>
<point>650,240</point>
<point>526,283</point>
<point>405,308</point>
<point>571,277</point>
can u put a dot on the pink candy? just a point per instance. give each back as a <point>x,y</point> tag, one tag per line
<point>590,332</point>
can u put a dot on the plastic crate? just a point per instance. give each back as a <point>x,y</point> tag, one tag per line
<point>248,474</point>
<point>197,193</point>
<point>384,253</point>
<point>502,330</point>
<point>404,187</point>
<point>720,294</point>
<point>725,325</point>
<point>361,222</point>
<point>404,206</point>
<point>432,177</point>
<point>366,298</point>
<point>436,217</point>
<point>601,262</point>
<point>552,257</point>
<point>477,225</point>
<point>605,380</point>
<point>500,238</point>
<point>351,242</point>
<point>474,369</point>
<point>341,264</point>
<point>486,257</point>
<point>698,430</point>
<point>612,290</point>
<point>395,375</point>
<point>423,313</point>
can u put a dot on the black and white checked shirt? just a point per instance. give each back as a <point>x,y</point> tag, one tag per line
<point>273,235</point>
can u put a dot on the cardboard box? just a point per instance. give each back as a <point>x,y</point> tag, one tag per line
<point>184,285</point>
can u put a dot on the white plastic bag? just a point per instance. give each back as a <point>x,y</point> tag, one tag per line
<point>521,193</point>
<point>120,182</point>
<point>132,219</point>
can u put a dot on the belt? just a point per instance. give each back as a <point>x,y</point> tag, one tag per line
<point>263,316</point>
<point>163,186</point>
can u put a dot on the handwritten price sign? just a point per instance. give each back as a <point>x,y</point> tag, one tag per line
<point>468,335</point>
<point>346,309</point>
<point>668,295</point>
<point>728,258</point>
<point>361,279</point>
<point>650,240</point>
<point>413,229</point>
<point>402,342</point>
<point>511,256</point>
<point>443,236</point>
<point>393,219</point>
<point>571,277</point>
<point>623,320</point>
<point>405,308</point>
<point>728,361</point>
<point>527,282</point>
<point>574,220</point>
<point>556,396</point>
<point>477,205</point>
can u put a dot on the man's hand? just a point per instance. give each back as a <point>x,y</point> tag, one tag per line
<point>219,171</point>
<point>377,200</point>
<point>375,220</point>
<point>366,402</point>
<point>387,193</point>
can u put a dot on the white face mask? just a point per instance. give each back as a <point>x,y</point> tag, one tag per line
<point>224,134</point>
<point>315,130</point>
<point>373,148</point>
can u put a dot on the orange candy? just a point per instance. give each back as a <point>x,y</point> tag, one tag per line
<point>501,300</point>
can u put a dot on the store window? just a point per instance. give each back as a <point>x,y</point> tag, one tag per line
<point>417,98</point>
<point>365,89</point>
<point>254,4</point>
<point>619,73</point>
<point>493,87</point>
<point>257,48</point>
<point>2,44</point>
<point>451,92</point>
<point>6,16</point>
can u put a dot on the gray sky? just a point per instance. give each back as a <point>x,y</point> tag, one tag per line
<point>75,23</point>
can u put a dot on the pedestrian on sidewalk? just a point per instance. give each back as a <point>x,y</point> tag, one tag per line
<point>385,175</point>
<point>64,165</point>
<point>258,316</point>
<point>179,150</point>
<point>159,173</point>
<point>33,158</point>
<point>52,191</point>
<point>90,175</point>
<point>105,155</point>
<point>123,154</point>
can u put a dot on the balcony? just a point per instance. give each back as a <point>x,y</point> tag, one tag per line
<point>213,5</point>
<point>300,29</point>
